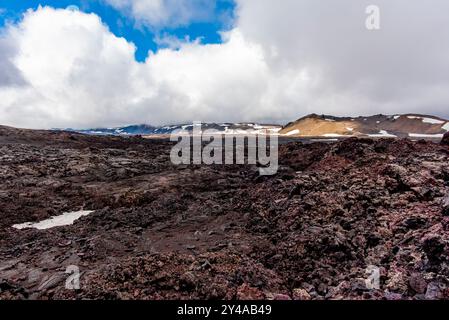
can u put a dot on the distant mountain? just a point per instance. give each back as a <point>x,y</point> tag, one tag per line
<point>225,128</point>
<point>141,129</point>
<point>407,125</point>
<point>313,125</point>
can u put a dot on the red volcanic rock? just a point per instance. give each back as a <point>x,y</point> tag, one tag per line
<point>335,216</point>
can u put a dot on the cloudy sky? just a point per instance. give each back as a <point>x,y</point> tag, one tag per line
<point>98,63</point>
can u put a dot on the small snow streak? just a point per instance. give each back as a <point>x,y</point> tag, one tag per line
<point>63,220</point>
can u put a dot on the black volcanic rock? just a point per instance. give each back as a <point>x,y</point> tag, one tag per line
<point>445,140</point>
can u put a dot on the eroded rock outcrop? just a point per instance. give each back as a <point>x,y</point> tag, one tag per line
<point>445,140</point>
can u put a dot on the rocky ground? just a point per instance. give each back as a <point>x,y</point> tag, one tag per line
<point>161,231</point>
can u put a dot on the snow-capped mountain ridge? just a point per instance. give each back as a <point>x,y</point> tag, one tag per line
<point>388,126</point>
<point>225,128</point>
<point>313,125</point>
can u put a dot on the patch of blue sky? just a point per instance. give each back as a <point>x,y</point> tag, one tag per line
<point>122,25</point>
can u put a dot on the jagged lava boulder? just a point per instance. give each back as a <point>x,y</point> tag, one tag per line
<point>445,140</point>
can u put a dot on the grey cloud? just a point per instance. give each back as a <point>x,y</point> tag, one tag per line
<point>9,75</point>
<point>395,68</point>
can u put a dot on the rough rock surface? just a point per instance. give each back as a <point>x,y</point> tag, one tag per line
<point>161,231</point>
<point>445,140</point>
